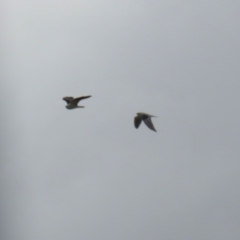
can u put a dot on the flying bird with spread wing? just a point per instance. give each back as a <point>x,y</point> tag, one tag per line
<point>72,103</point>
<point>146,118</point>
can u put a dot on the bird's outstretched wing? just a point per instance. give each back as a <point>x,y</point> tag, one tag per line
<point>68,99</point>
<point>137,121</point>
<point>149,123</point>
<point>77,100</point>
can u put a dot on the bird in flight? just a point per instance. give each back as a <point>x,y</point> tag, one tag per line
<point>73,102</point>
<point>146,118</point>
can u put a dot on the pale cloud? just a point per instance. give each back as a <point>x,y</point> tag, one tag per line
<point>88,173</point>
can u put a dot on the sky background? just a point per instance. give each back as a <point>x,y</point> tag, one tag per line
<point>88,173</point>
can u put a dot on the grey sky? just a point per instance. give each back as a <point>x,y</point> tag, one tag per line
<point>88,173</point>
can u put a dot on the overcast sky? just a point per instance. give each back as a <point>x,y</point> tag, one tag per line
<point>88,173</point>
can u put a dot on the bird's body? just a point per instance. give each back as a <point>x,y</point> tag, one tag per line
<point>72,103</point>
<point>146,118</point>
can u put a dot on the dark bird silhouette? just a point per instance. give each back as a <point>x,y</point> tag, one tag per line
<point>146,118</point>
<point>72,103</point>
